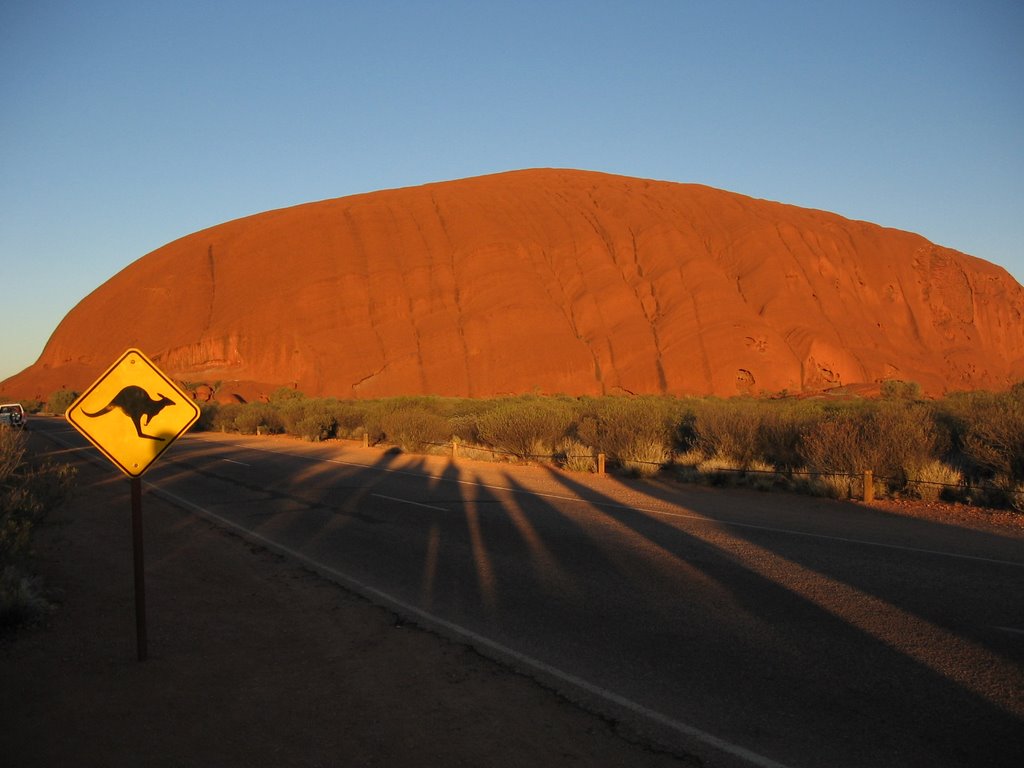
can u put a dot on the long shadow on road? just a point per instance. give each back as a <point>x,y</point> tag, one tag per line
<point>839,629</point>
<point>783,643</point>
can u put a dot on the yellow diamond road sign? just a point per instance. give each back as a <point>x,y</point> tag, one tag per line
<point>133,413</point>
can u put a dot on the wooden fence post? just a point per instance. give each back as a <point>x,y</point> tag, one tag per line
<point>455,447</point>
<point>366,440</point>
<point>869,486</point>
<point>600,463</point>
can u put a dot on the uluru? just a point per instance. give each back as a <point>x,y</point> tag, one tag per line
<point>547,281</point>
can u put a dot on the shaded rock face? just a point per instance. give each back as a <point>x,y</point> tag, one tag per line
<point>552,281</point>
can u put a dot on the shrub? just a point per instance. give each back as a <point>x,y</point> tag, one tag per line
<point>893,389</point>
<point>12,451</point>
<point>207,417</point>
<point>21,596</point>
<point>761,476</point>
<point>60,401</point>
<point>376,413</point>
<point>1017,498</point>
<point>26,494</point>
<point>414,429</point>
<point>634,431</point>
<point>309,419</point>
<point>222,417</point>
<point>527,427</point>
<point>645,457</point>
<point>893,439</point>
<point>936,480</point>
<point>994,438</point>
<point>836,442</point>
<point>285,395</point>
<point>729,429</point>
<point>253,418</point>
<point>833,486</point>
<point>464,428</point>
<point>781,429</point>
<point>905,440</point>
<point>720,470</point>
<point>576,456</point>
<point>389,420</point>
<point>349,417</point>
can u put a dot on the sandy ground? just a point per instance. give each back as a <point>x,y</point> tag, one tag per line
<point>254,662</point>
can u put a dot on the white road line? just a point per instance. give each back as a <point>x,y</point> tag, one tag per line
<point>660,512</point>
<point>843,539</point>
<point>1011,630</point>
<point>240,463</point>
<point>407,501</point>
<point>502,651</point>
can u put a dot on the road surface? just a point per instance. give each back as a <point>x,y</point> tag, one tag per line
<point>746,628</point>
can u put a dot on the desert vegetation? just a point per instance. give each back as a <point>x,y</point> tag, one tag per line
<point>27,492</point>
<point>965,447</point>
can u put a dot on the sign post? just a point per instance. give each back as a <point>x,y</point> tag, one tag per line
<point>140,570</point>
<point>132,414</point>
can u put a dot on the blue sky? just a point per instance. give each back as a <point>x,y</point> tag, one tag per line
<point>127,124</point>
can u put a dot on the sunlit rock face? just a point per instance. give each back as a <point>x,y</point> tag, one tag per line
<point>550,281</point>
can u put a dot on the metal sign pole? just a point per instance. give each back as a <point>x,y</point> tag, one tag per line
<point>140,570</point>
<point>136,391</point>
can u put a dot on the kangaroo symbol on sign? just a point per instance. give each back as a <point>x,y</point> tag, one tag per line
<point>135,402</point>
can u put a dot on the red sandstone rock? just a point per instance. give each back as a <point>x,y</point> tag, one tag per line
<point>551,281</point>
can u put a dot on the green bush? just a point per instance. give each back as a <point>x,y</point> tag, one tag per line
<point>636,432</point>
<point>893,389</point>
<point>816,445</point>
<point>894,439</point>
<point>525,427</point>
<point>309,419</point>
<point>729,429</point>
<point>349,417</point>
<point>464,428</point>
<point>907,440</point>
<point>285,395</point>
<point>414,429</point>
<point>993,439</point>
<point>60,401</point>
<point>222,417</point>
<point>30,405</point>
<point>780,432</point>
<point>207,417</point>
<point>253,418</point>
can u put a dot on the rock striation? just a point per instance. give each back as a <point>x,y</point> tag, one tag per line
<point>554,281</point>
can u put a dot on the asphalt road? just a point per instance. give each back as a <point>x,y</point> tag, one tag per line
<point>750,629</point>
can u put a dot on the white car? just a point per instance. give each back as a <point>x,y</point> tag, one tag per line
<point>12,415</point>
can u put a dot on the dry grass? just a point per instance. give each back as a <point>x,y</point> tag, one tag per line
<point>27,493</point>
<point>936,480</point>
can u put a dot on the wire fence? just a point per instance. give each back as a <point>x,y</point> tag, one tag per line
<point>866,482</point>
